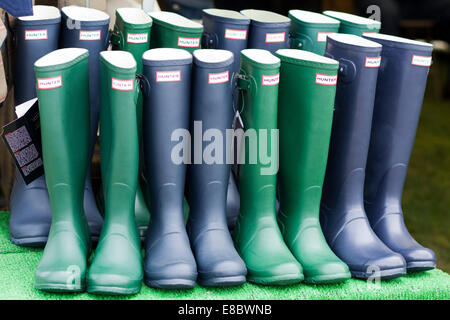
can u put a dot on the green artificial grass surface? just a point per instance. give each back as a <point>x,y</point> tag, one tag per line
<point>17,267</point>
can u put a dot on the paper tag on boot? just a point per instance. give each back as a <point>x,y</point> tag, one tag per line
<point>23,141</point>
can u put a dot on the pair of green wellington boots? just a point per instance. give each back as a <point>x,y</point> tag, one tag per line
<point>293,91</point>
<point>63,93</point>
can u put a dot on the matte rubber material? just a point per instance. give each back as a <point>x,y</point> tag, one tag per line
<point>117,266</point>
<point>167,35</point>
<point>169,261</point>
<point>257,236</point>
<point>310,36</point>
<point>305,114</point>
<point>266,34</point>
<point>350,27</point>
<point>72,37</point>
<point>218,263</point>
<point>343,219</point>
<point>135,38</point>
<point>65,146</point>
<point>398,101</point>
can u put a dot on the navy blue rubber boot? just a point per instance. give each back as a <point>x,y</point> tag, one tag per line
<point>400,89</point>
<point>34,37</point>
<point>343,219</point>
<point>218,262</point>
<point>166,85</point>
<point>268,30</point>
<point>88,29</point>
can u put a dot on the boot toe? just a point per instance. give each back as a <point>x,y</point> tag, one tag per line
<point>223,273</point>
<point>178,275</point>
<point>107,283</point>
<point>281,274</point>
<point>328,272</point>
<point>419,259</point>
<point>386,267</point>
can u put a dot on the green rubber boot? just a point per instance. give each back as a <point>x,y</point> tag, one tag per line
<point>63,92</point>
<point>309,30</point>
<point>132,33</point>
<point>171,30</point>
<point>257,236</point>
<point>305,114</point>
<point>117,266</point>
<point>353,24</point>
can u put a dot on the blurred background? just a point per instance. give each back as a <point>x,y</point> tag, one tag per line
<point>426,200</point>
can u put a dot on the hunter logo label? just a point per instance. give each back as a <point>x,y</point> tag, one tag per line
<point>49,83</point>
<point>421,61</point>
<point>188,42</point>
<point>271,80</point>
<point>322,36</point>
<point>90,35</point>
<point>325,79</point>
<point>368,33</point>
<point>372,62</point>
<point>168,76</point>
<point>137,37</point>
<point>235,34</point>
<point>36,34</point>
<point>275,37</point>
<point>122,85</point>
<point>214,78</point>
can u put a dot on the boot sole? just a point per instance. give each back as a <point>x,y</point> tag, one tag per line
<point>107,290</point>
<point>58,287</point>
<point>222,281</point>
<point>281,280</point>
<point>328,279</point>
<point>418,266</point>
<point>384,274</point>
<point>170,283</point>
<point>37,242</point>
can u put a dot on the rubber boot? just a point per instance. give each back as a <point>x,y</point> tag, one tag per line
<point>353,24</point>
<point>268,30</point>
<point>88,29</point>
<point>257,236</point>
<point>63,93</point>
<point>117,266</point>
<point>305,113</point>
<point>343,219</point>
<point>218,263</point>
<point>169,261</point>
<point>228,30</point>
<point>132,33</point>
<point>309,30</point>
<point>171,30</point>
<point>400,89</point>
<point>34,37</point>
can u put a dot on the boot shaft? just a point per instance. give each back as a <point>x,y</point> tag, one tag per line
<point>309,30</point>
<point>352,24</point>
<point>132,33</point>
<point>171,30</point>
<point>268,30</point>
<point>359,61</point>
<point>225,29</point>
<point>34,37</point>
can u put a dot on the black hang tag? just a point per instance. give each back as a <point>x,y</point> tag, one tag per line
<point>23,140</point>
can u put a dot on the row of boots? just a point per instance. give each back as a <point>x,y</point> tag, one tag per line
<point>335,218</point>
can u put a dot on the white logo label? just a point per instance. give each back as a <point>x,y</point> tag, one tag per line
<point>221,77</point>
<point>421,61</point>
<point>90,35</point>
<point>372,62</point>
<point>188,42</point>
<point>325,79</point>
<point>271,80</point>
<point>49,83</point>
<point>122,85</point>
<point>322,36</point>
<point>168,76</point>
<point>36,34</point>
<point>137,37</point>
<point>275,37</point>
<point>235,34</point>
<point>368,33</point>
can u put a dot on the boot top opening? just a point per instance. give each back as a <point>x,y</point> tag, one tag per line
<point>352,18</point>
<point>312,17</point>
<point>260,56</point>
<point>60,56</point>
<point>134,15</point>
<point>174,19</point>
<point>305,56</point>
<point>265,16</point>
<point>165,54</point>
<point>225,14</point>
<point>213,55</point>
<point>42,13</point>
<point>391,38</point>
<point>84,14</point>
<point>120,59</point>
<point>354,40</point>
